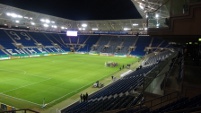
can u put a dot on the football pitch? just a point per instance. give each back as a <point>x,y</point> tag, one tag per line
<point>54,78</point>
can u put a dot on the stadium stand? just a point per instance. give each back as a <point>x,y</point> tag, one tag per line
<point>128,85</point>
<point>127,94</point>
<point>142,42</point>
<point>26,42</point>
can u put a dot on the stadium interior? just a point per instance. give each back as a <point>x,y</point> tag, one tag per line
<point>167,41</point>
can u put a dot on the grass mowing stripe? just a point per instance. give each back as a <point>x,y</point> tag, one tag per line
<point>75,91</point>
<point>70,74</point>
<point>20,99</point>
<point>70,93</point>
<point>25,86</point>
<point>24,72</point>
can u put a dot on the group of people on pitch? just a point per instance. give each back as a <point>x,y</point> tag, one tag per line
<point>84,97</point>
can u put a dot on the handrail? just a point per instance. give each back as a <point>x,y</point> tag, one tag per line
<point>162,97</point>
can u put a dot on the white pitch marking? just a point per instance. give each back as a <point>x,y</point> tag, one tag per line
<point>24,72</point>
<point>21,99</point>
<point>25,86</point>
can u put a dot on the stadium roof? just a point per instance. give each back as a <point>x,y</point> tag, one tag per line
<point>80,9</point>
<point>19,17</point>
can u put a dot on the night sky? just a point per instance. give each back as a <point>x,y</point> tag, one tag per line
<point>80,9</point>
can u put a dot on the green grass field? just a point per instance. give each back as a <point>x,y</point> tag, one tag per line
<point>54,78</point>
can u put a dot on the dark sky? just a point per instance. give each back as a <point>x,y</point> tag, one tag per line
<point>80,9</point>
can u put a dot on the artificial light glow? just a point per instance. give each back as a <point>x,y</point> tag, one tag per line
<point>45,25</point>
<point>54,26</point>
<point>42,20</point>
<point>126,29</point>
<point>81,29</point>
<point>32,23</point>
<point>17,21</point>
<point>145,28</point>
<point>94,29</point>
<point>62,27</point>
<point>141,7</point>
<point>157,15</point>
<point>135,24</point>
<point>147,16</point>
<point>14,15</point>
<point>71,33</point>
<point>84,25</point>
<point>199,39</point>
<point>140,28</point>
<point>45,20</point>
<point>8,14</point>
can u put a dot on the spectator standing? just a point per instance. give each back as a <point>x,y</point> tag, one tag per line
<point>86,96</point>
<point>81,97</point>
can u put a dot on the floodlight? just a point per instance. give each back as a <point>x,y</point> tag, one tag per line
<point>141,7</point>
<point>199,39</point>
<point>84,25</point>
<point>145,28</point>
<point>94,29</point>
<point>8,14</point>
<point>45,25</point>
<point>32,23</point>
<point>42,20</point>
<point>157,15</point>
<point>147,16</point>
<point>157,25</point>
<point>14,15</point>
<point>62,27</point>
<point>17,21</point>
<point>54,26</point>
<point>47,21</point>
<point>126,29</point>
<point>81,28</point>
<point>135,24</point>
